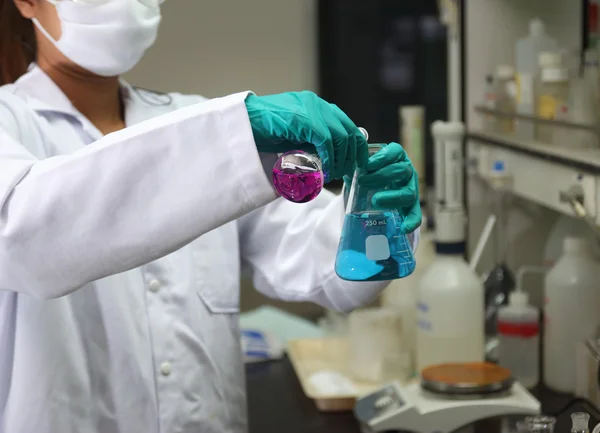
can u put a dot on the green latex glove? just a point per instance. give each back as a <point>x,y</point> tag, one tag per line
<point>391,168</point>
<point>303,121</point>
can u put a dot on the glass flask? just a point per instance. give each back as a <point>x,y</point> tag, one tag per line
<point>298,176</point>
<point>580,422</point>
<point>372,246</point>
<point>540,424</point>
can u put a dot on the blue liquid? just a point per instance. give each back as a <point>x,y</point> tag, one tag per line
<point>373,248</point>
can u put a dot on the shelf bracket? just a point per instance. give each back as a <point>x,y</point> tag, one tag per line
<point>575,197</point>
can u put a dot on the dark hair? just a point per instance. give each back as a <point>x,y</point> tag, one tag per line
<point>17,42</point>
<point>18,50</point>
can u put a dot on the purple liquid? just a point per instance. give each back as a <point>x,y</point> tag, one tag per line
<point>299,187</point>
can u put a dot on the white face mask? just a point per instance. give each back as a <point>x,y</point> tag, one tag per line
<point>107,38</point>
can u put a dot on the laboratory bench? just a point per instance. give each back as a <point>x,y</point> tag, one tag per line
<point>277,404</point>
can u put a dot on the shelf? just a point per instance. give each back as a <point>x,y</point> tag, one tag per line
<point>584,159</point>
<point>539,172</point>
<point>538,120</point>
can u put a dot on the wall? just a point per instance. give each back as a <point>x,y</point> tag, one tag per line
<point>493,26</point>
<point>220,47</point>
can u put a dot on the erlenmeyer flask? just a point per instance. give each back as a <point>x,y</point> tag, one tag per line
<point>372,246</point>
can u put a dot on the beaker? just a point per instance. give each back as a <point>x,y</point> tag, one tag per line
<point>372,246</point>
<point>298,176</point>
<point>540,424</point>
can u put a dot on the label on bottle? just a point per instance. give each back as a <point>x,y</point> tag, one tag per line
<point>524,89</point>
<point>524,330</point>
<point>562,112</point>
<point>424,325</point>
<point>511,89</point>
<point>547,106</point>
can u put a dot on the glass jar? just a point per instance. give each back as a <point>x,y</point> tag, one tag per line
<point>505,92</point>
<point>552,101</point>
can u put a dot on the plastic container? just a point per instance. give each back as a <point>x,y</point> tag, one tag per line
<point>572,302</point>
<point>527,51</point>
<point>591,72</point>
<point>584,104</point>
<point>518,338</point>
<point>376,349</point>
<point>552,101</point>
<point>401,294</point>
<point>582,110</point>
<point>505,91</point>
<point>549,59</point>
<point>450,318</point>
<point>564,227</point>
<point>372,246</point>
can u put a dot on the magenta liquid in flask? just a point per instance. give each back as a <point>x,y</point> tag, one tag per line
<point>298,176</point>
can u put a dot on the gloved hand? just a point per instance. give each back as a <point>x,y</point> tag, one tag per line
<point>303,121</point>
<point>391,167</point>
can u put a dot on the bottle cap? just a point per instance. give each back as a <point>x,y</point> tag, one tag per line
<point>518,298</point>
<point>536,27</point>
<point>555,75</point>
<point>438,128</point>
<point>549,59</point>
<point>505,72</point>
<point>455,130</point>
<point>498,166</point>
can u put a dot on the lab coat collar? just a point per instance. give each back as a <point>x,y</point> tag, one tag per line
<point>45,96</point>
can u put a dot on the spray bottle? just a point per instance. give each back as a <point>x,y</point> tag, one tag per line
<point>519,334</point>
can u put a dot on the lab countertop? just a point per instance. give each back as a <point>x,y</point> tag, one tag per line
<point>276,403</point>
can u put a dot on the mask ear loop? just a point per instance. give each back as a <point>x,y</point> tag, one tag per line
<point>43,31</point>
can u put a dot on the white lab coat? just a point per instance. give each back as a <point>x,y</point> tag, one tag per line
<point>120,261</point>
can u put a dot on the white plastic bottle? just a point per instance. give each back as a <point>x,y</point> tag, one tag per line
<point>566,226</point>
<point>572,297</point>
<point>519,338</point>
<point>401,294</point>
<point>450,317</point>
<point>527,52</point>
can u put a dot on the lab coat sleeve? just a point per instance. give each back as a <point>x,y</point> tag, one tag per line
<point>127,199</point>
<point>290,250</point>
